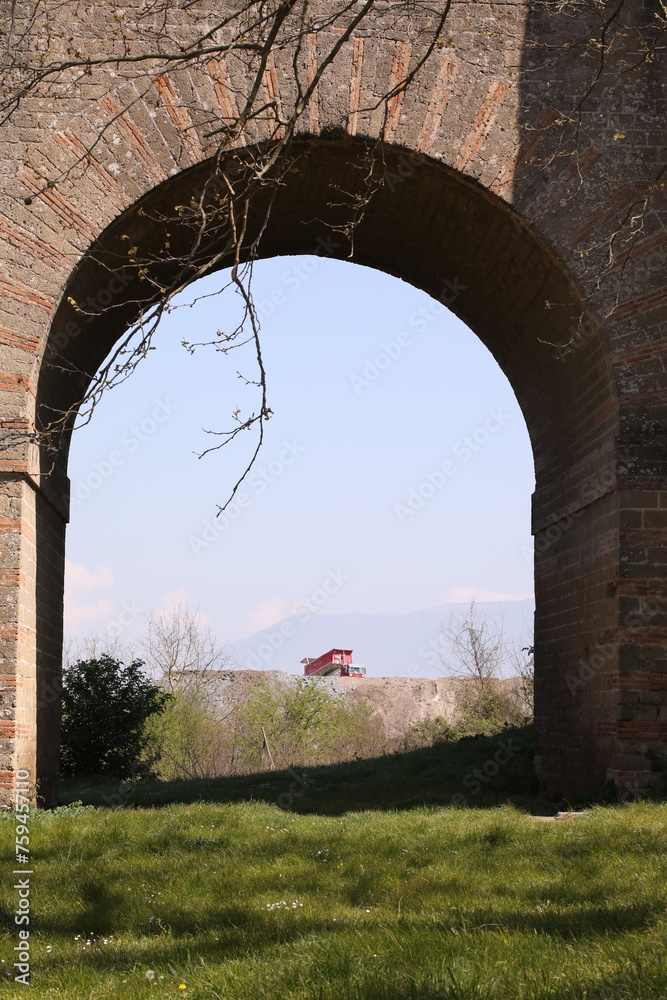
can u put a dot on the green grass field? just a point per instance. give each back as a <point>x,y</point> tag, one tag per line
<point>235,899</point>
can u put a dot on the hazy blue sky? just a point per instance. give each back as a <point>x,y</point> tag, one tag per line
<point>397,465</point>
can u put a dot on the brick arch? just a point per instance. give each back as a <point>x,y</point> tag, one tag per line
<point>484,207</point>
<point>474,253</point>
<point>478,257</point>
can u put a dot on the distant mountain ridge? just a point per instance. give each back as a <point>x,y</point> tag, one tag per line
<point>389,645</point>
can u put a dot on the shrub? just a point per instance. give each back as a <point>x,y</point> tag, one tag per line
<point>428,732</point>
<point>105,708</point>
<point>186,738</point>
<point>486,710</point>
<point>303,725</point>
<point>486,703</point>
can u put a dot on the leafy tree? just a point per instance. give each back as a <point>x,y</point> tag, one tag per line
<point>186,739</point>
<point>303,725</point>
<point>105,709</point>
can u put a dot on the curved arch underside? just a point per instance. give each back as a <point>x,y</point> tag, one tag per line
<point>426,224</point>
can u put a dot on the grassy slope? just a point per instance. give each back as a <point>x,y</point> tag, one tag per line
<point>461,904</point>
<point>433,776</point>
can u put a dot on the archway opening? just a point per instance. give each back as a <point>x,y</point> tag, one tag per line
<point>396,468</point>
<point>449,237</point>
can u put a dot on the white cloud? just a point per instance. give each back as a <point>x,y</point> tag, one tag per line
<point>81,580</point>
<point>464,595</point>
<point>268,613</point>
<point>85,607</point>
<point>173,600</point>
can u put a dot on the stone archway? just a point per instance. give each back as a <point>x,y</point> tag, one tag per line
<point>468,214</point>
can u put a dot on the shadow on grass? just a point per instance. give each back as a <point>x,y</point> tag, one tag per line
<point>176,938</point>
<point>100,907</point>
<point>244,933</point>
<point>474,772</point>
<point>573,922</point>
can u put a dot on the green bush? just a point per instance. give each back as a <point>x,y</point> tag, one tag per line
<point>486,709</point>
<point>428,732</point>
<point>105,708</point>
<point>186,739</point>
<point>303,725</point>
<point>484,702</point>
